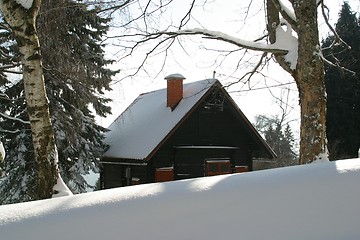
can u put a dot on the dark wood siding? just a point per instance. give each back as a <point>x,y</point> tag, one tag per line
<point>190,163</point>
<point>206,127</point>
<point>112,176</point>
<point>139,172</point>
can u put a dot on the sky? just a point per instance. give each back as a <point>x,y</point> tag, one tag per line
<point>197,62</point>
<point>315,201</point>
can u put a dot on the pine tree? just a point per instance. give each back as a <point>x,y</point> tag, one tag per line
<point>287,145</point>
<point>76,76</point>
<point>343,87</point>
<point>280,139</point>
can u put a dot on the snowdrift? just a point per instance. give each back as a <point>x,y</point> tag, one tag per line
<point>316,201</point>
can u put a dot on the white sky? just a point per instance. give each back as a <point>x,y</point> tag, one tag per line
<point>196,64</point>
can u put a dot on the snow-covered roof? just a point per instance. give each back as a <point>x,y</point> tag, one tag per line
<point>315,201</point>
<point>147,121</point>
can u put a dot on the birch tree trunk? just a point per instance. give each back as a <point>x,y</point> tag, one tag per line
<point>22,21</point>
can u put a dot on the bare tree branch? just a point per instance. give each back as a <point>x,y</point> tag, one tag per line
<point>186,18</point>
<point>336,64</point>
<point>251,73</point>
<point>114,7</point>
<point>337,38</point>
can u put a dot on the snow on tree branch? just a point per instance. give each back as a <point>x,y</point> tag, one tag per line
<point>14,118</point>
<point>286,13</point>
<point>285,42</point>
<point>2,152</point>
<point>285,9</point>
<point>60,189</point>
<point>25,3</point>
<point>288,41</point>
<point>272,48</point>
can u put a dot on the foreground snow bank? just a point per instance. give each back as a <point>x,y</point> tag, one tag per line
<point>316,201</point>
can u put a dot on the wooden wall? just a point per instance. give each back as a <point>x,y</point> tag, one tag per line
<point>206,126</point>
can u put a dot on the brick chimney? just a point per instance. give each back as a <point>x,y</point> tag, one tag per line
<point>174,89</point>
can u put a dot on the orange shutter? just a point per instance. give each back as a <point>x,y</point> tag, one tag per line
<point>164,174</point>
<point>217,167</point>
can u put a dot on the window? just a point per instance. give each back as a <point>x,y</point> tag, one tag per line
<point>217,167</point>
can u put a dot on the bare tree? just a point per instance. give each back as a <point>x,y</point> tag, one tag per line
<point>292,38</point>
<point>21,15</point>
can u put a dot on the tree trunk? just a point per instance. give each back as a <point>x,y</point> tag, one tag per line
<point>313,118</point>
<point>309,77</point>
<point>22,22</point>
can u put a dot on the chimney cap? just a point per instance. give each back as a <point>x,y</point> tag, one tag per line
<point>175,76</point>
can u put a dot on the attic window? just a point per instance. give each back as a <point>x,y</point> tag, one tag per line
<point>217,167</point>
<point>215,102</point>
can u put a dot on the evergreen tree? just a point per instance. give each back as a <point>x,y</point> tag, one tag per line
<point>343,87</point>
<point>75,75</point>
<point>287,145</point>
<point>279,138</point>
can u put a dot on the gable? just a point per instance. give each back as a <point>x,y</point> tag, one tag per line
<point>217,122</point>
<point>258,144</point>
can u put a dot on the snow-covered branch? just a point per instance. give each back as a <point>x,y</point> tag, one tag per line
<point>270,48</point>
<point>10,131</point>
<point>289,13</point>
<point>27,4</point>
<point>2,151</point>
<point>14,118</point>
<point>285,43</point>
<point>10,66</point>
<point>286,13</point>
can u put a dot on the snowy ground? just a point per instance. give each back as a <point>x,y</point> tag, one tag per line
<point>316,201</point>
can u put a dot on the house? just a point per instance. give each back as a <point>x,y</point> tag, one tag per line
<point>184,131</point>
